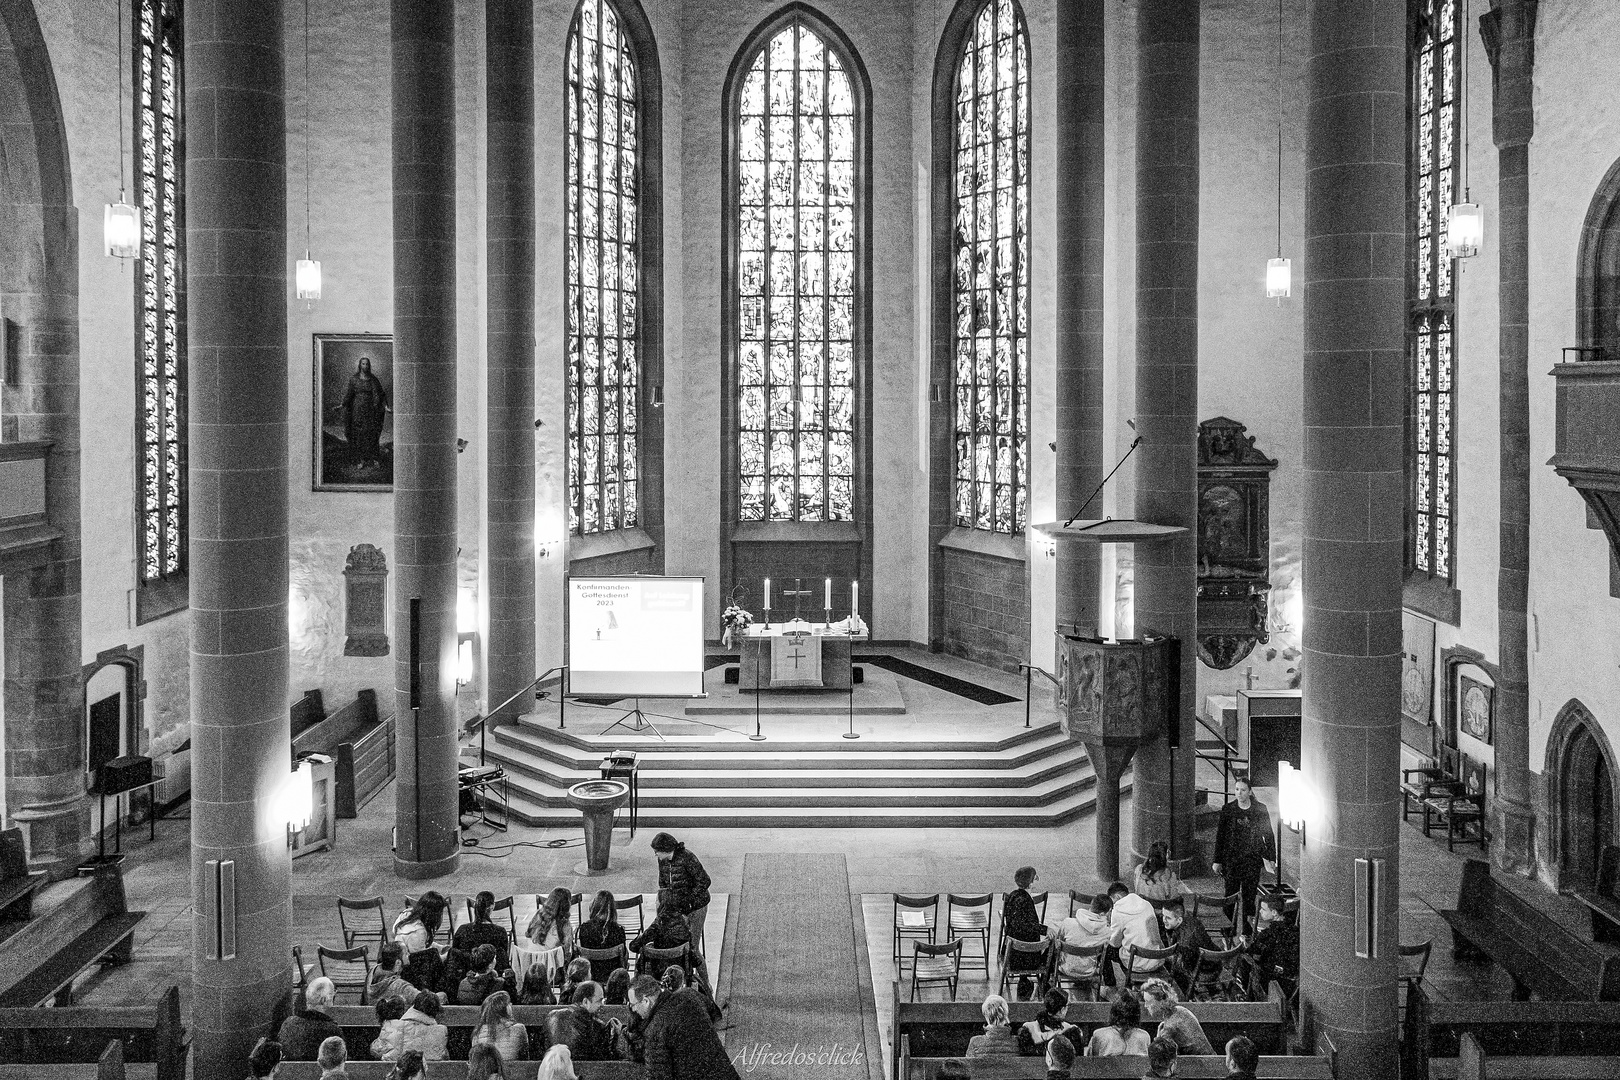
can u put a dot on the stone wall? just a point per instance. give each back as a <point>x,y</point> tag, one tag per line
<point>986,609</point>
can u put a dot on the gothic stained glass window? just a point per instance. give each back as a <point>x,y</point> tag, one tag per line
<point>160,296</point>
<point>603,267</point>
<point>796,272</point>
<point>1431,503</point>
<point>990,273</point>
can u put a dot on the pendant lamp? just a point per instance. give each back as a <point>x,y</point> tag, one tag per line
<point>1279,271</point>
<point>1465,221</point>
<point>307,272</point>
<point>121,222</point>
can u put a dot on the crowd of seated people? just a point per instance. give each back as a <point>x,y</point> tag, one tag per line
<point>1161,1054</point>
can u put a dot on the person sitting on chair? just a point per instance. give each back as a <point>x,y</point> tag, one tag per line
<point>264,1059</point>
<point>1273,955</point>
<point>1023,923</point>
<point>389,1012</point>
<point>579,971</point>
<point>1122,1036</point>
<point>482,930</point>
<point>669,930</point>
<point>498,1028</point>
<point>580,1028</point>
<point>602,931</point>
<point>301,1033</point>
<point>386,980</point>
<point>482,980</point>
<point>1052,1023</point>
<point>1059,1058</point>
<point>1176,1021</point>
<point>1186,932</point>
<point>418,925</point>
<point>1162,1055</point>
<point>1241,1059</point>
<point>333,1055</point>
<point>1088,926</point>
<point>1133,923</point>
<point>998,1037</point>
<point>1155,878</point>
<point>551,927</point>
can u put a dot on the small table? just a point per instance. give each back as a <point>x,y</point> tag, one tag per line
<point>624,765</point>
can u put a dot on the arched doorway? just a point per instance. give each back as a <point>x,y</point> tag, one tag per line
<point>1581,772</point>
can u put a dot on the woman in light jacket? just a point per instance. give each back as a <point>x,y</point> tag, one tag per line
<point>419,1029</point>
<point>497,1028</point>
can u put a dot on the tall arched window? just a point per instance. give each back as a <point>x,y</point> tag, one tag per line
<point>990,272</point>
<point>160,459</point>
<point>797,130</point>
<point>1431,502</point>
<point>604,221</point>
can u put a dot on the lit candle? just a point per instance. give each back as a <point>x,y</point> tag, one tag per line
<point>855,599</point>
<point>767,594</point>
<point>828,604</point>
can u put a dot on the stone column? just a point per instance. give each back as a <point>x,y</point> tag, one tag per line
<point>1080,159</point>
<point>509,457</point>
<point>1509,29</point>
<point>1167,391</point>
<point>237,292</point>
<point>1355,460</point>
<point>427,838</point>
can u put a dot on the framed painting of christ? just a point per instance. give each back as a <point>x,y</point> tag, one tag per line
<point>353,418</point>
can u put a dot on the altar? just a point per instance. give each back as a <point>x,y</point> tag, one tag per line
<point>796,656</point>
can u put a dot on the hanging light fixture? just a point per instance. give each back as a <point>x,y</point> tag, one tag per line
<point>1279,271</point>
<point>307,274</point>
<point>1465,221</point>
<point>121,223</point>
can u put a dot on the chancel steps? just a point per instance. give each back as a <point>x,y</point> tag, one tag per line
<point>1035,776</point>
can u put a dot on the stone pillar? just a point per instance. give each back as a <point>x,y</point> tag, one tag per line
<point>427,838</point>
<point>1355,460</point>
<point>1110,763</point>
<point>1509,29</point>
<point>237,292</point>
<point>509,457</point>
<point>1080,159</point>
<point>1167,392</point>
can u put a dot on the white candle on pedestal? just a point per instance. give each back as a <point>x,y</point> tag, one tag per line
<point>854,600</point>
<point>828,604</point>
<point>767,594</point>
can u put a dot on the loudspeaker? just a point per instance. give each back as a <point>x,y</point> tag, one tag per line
<point>121,774</point>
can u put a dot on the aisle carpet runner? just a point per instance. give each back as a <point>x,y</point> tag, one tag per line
<point>796,993</point>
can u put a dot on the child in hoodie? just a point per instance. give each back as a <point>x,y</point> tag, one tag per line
<point>1087,926</point>
<point>1133,922</point>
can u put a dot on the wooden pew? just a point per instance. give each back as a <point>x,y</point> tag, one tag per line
<point>941,1029</point>
<point>361,742</point>
<point>1491,921</point>
<point>1473,1064</point>
<point>1192,1067</point>
<point>74,1035</point>
<point>1604,900</point>
<point>1435,1031</point>
<point>457,1070</point>
<point>110,1066</point>
<point>41,958</point>
<point>360,1027</point>
<point>17,885</point>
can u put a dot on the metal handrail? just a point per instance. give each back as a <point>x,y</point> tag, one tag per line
<point>481,722</point>
<point>1029,671</point>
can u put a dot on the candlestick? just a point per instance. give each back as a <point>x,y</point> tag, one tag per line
<point>767,594</point>
<point>854,604</point>
<point>828,603</point>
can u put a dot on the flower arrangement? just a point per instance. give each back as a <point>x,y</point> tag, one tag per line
<point>735,619</point>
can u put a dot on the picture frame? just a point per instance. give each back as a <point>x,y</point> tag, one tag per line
<point>352,413</point>
<point>1476,708</point>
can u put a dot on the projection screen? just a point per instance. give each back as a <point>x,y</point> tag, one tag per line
<point>635,636</point>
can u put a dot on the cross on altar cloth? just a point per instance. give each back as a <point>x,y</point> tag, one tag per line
<point>796,658</point>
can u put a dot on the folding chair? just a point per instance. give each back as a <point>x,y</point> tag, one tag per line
<point>360,933</point>
<point>679,954</point>
<point>970,915</point>
<point>1085,984</point>
<point>1231,912</point>
<point>1214,979</point>
<point>619,953</point>
<point>449,914</point>
<point>1078,900</point>
<point>300,978</point>
<point>918,924</point>
<point>345,978</point>
<point>503,904</point>
<point>1421,951</point>
<point>1133,953</point>
<point>578,900</point>
<point>622,910</point>
<point>936,964</point>
<point>1014,947</point>
<point>1040,909</point>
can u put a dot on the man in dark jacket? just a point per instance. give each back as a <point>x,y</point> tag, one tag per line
<point>1273,955</point>
<point>587,1036</point>
<point>679,1041</point>
<point>683,875</point>
<point>1186,932</point>
<point>301,1034</point>
<point>1243,844</point>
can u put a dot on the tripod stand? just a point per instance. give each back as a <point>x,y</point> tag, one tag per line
<point>639,722</point>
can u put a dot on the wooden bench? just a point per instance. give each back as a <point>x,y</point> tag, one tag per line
<point>360,1027</point>
<point>17,885</point>
<point>78,1034</point>
<point>1195,1067</point>
<point>360,741</point>
<point>1604,900</point>
<point>1473,1064</point>
<point>109,1066</point>
<point>941,1029</point>
<point>1494,922</point>
<point>40,960</point>
<point>1434,1030</point>
<point>457,1070</point>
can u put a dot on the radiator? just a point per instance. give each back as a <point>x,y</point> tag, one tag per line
<point>176,777</point>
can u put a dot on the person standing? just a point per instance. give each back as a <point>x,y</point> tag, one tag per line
<point>1243,845</point>
<point>678,1041</point>
<point>683,875</point>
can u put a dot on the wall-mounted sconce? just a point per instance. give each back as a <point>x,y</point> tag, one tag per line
<point>461,444</point>
<point>658,395</point>
<point>539,423</point>
<point>938,392</point>
<point>545,549</point>
<point>1046,545</point>
<point>1294,797</point>
<point>300,797</point>
<point>464,657</point>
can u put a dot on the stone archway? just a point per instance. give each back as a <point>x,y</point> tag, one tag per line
<point>1583,780</point>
